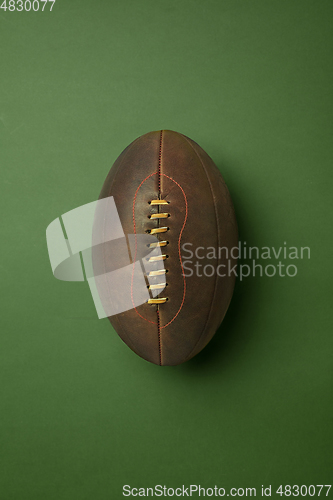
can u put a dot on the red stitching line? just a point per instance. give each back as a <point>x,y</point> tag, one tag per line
<point>159,165</point>
<point>159,336</point>
<point>179,252</point>
<point>136,248</point>
<point>159,196</point>
<point>180,257</point>
<point>218,238</point>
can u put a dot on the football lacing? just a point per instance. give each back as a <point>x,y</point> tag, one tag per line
<point>164,229</point>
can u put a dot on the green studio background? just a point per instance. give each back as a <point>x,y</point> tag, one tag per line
<point>251,82</point>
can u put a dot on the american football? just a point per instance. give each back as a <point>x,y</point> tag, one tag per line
<point>164,185</point>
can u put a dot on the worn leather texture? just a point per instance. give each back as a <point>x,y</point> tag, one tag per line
<point>168,165</point>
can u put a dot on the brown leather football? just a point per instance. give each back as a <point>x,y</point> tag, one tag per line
<point>165,185</point>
